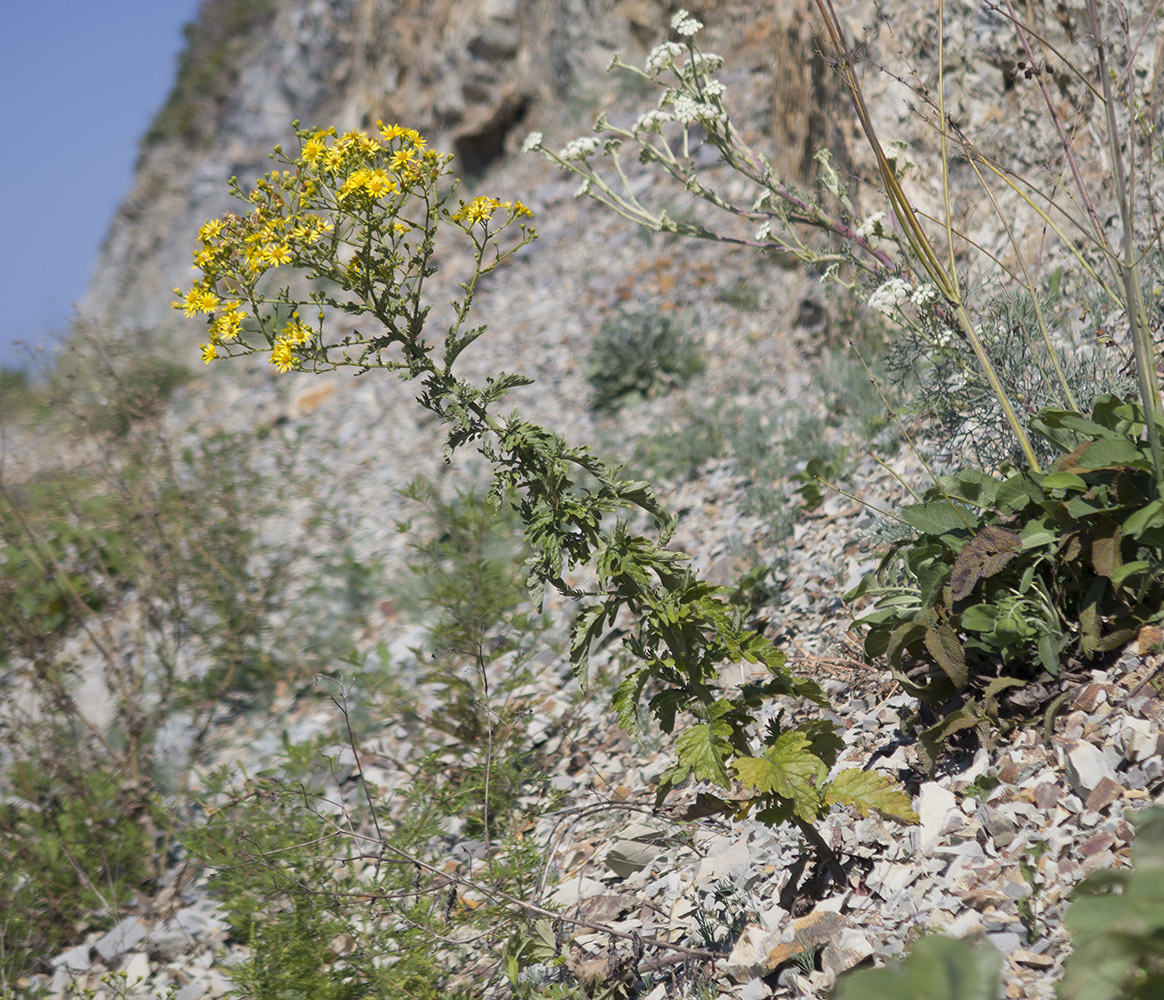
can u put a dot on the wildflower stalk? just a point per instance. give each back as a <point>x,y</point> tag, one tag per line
<point>1127,263</point>
<point>919,244</point>
<point>361,191</point>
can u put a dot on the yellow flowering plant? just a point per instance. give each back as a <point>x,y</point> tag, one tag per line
<point>360,217</point>
<point>353,212</point>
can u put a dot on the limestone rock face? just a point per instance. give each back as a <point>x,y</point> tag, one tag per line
<point>465,72</point>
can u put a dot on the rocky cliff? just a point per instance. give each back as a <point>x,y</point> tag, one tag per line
<point>468,73</point>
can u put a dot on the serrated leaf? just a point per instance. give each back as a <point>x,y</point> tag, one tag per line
<point>870,790</point>
<point>703,748</point>
<point>935,518</point>
<point>1105,552</point>
<point>943,644</point>
<point>789,770</point>
<point>984,555</point>
<point>626,701</point>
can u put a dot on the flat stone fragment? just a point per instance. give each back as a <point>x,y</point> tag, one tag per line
<point>844,951</point>
<point>136,968</point>
<point>759,952</point>
<point>77,959</point>
<point>1104,794</point>
<point>121,939</point>
<point>1021,956</point>
<point>938,812</point>
<point>1086,767</point>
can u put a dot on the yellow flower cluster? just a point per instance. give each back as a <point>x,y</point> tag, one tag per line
<point>480,210</point>
<point>295,334</point>
<point>340,192</point>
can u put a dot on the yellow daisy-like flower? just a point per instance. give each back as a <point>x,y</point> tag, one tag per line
<point>227,323</point>
<point>283,357</point>
<point>378,183</point>
<point>478,210</point>
<point>276,253</point>
<point>390,132</point>
<point>354,183</point>
<point>210,230</point>
<point>295,333</point>
<point>519,209</point>
<point>209,353</point>
<point>198,299</point>
<point>400,159</point>
<point>333,159</point>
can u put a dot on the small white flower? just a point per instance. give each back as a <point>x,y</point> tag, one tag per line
<point>872,226</point>
<point>713,88</point>
<point>923,295</point>
<point>685,24</point>
<point>688,110</point>
<point>580,149</point>
<point>532,141</point>
<point>764,233</point>
<point>652,121</point>
<point>897,155</point>
<point>662,55</point>
<point>706,62</point>
<point>889,296</point>
<point>583,188</point>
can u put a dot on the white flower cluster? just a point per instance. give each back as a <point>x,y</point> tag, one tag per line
<point>662,56</point>
<point>580,149</point>
<point>706,62</point>
<point>532,141</point>
<point>713,88</point>
<point>872,226</point>
<point>685,24</point>
<point>923,295</point>
<point>764,233</point>
<point>889,296</point>
<point>652,121</point>
<point>688,110</point>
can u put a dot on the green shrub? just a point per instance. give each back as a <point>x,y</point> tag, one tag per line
<point>138,392</point>
<point>1004,579</point>
<point>66,552</point>
<point>640,354</point>
<point>78,843</point>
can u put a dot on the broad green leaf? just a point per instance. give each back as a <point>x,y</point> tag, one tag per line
<point>626,700</point>
<point>1151,515</point>
<point>1128,569</point>
<point>972,485</point>
<point>980,618</point>
<point>936,968</point>
<point>936,517</point>
<point>1039,532</point>
<point>1064,481</point>
<point>703,748</point>
<point>787,769</point>
<point>1111,453</point>
<point>870,790</point>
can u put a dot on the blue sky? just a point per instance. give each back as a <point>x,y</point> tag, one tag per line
<point>80,81</point>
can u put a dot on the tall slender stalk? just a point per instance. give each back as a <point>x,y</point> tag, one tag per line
<point>945,279</point>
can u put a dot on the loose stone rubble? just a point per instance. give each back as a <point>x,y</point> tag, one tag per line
<point>1005,833</point>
